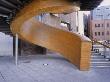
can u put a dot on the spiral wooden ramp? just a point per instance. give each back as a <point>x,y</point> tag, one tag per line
<point>75,48</point>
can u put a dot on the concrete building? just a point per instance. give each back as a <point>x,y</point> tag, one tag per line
<point>73,22</point>
<point>100,23</point>
<point>101,13</point>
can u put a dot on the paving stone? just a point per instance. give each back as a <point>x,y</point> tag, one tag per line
<point>31,69</point>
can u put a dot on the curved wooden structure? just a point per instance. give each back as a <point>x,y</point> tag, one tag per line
<point>72,46</point>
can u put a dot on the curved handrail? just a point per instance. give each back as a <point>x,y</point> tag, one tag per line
<point>72,46</point>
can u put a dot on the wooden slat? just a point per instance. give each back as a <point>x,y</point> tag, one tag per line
<point>70,45</point>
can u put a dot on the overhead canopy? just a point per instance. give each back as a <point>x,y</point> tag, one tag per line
<point>9,8</point>
<point>87,4</point>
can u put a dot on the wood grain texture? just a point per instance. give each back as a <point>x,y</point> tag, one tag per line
<point>72,46</point>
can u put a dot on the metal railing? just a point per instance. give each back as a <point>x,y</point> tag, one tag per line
<point>101,48</point>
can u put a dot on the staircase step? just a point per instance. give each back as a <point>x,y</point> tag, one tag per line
<point>97,57</point>
<point>100,66</point>
<point>96,53</point>
<point>99,60</point>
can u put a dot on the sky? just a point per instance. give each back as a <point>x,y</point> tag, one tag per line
<point>105,3</point>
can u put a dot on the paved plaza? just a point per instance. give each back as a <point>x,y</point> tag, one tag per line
<point>48,68</point>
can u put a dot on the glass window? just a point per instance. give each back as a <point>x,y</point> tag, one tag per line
<point>95,33</point>
<point>99,33</point>
<point>95,25</point>
<point>98,25</point>
<point>108,15</point>
<point>107,32</point>
<point>102,33</point>
<point>107,24</point>
<point>102,25</point>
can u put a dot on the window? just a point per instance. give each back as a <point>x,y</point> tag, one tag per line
<point>102,25</point>
<point>107,32</point>
<point>100,15</point>
<point>107,24</point>
<point>108,15</point>
<point>102,33</point>
<point>98,9</point>
<point>95,33</point>
<point>98,25</point>
<point>95,25</point>
<point>107,8</point>
<point>99,33</point>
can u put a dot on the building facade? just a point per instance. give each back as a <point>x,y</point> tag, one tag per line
<point>100,24</point>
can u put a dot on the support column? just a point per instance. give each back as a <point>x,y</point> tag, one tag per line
<point>16,50</point>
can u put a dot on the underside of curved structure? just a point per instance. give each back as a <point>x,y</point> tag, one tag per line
<point>72,46</point>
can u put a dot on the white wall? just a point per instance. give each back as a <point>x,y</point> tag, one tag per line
<point>6,45</point>
<point>80,22</point>
<point>75,19</point>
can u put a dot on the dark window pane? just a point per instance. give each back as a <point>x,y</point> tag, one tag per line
<point>107,32</point>
<point>98,25</point>
<point>99,33</point>
<point>107,24</point>
<point>95,33</point>
<point>95,25</point>
<point>102,25</point>
<point>102,33</point>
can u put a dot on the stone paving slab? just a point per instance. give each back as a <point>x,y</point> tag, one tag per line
<point>49,68</point>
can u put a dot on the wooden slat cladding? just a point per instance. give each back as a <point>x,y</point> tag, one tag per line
<point>72,46</point>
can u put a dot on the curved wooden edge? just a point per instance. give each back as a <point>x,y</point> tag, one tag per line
<point>72,46</point>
